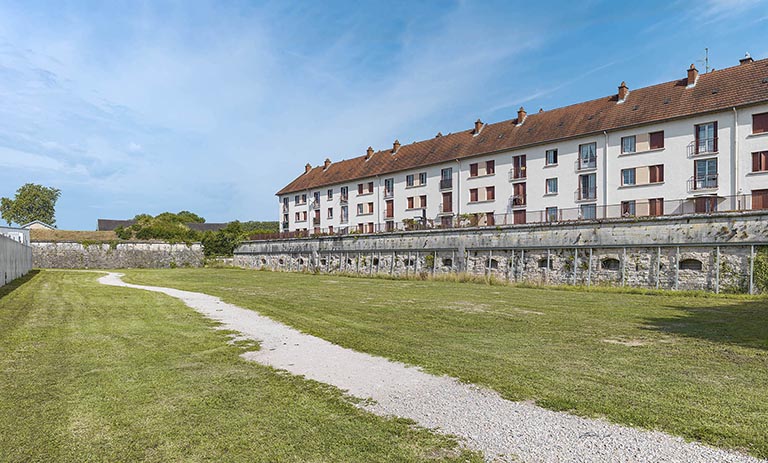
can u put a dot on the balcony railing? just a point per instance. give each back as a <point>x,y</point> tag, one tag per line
<point>517,174</point>
<point>586,163</point>
<point>285,226</point>
<point>519,200</point>
<point>344,219</point>
<point>702,146</point>
<point>706,182</point>
<point>389,194</point>
<point>285,208</point>
<point>672,207</point>
<point>316,204</point>
<point>316,221</point>
<point>446,184</point>
<point>344,199</point>
<point>586,194</point>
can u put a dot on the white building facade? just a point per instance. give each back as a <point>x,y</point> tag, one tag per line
<point>703,161</point>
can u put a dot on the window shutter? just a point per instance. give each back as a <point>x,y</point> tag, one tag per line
<point>760,123</point>
<point>657,140</point>
<point>756,162</point>
<point>473,170</point>
<point>714,142</point>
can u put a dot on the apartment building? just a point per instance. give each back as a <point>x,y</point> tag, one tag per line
<point>694,145</point>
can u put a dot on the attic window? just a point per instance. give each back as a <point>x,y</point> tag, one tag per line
<point>667,100</point>
<point>765,81</point>
<point>501,136</point>
<point>560,124</point>
<point>635,107</point>
<point>715,91</point>
<point>591,116</point>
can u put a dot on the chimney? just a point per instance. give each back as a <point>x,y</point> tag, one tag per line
<point>747,59</point>
<point>369,153</point>
<point>623,91</point>
<point>541,110</point>
<point>439,134</point>
<point>478,126</point>
<point>307,168</point>
<point>395,146</point>
<point>521,115</point>
<point>326,163</point>
<point>693,75</point>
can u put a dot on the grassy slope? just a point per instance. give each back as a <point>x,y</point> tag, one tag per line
<point>95,373</point>
<point>700,371</point>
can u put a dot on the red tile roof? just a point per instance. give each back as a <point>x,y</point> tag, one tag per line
<point>737,86</point>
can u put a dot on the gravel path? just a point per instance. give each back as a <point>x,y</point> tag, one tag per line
<point>503,430</point>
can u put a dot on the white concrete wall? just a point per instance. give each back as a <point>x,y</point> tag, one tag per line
<point>735,145</point>
<point>15,260</point>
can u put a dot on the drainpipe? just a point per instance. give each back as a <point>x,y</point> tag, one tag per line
<point>458,190</point>
<point>378,203</point>
<point>735,160</point>
<point>310,227</point>
<point>605,174</point>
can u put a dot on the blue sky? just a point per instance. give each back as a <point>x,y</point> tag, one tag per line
<point>132,107</point>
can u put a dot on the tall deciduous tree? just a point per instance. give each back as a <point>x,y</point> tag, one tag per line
<point>32,202</point>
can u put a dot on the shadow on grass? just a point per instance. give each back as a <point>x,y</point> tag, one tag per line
<point>17,283</point>
<point>744,323</point>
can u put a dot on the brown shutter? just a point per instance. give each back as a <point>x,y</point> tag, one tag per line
<point>473,170</point>
<point>756,162</point>
<point>760,123</point>
<point>359,188</point>
<point>657,140</point>
<point>759,199</point>
<point>715,140</point>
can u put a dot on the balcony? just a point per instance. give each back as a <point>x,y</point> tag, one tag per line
<point>706,182</point>
<point>519,200</point>
<point>285,208</point>
<point>285,226</point>
<point>316,221</point>
<point>583,164</point>
<point>389,194</point>
<point>517,174</point>
<point>344,219</point>
<point>702,146</point>
<point>316,204</point>
<point>446,184</point>
<point>344,199</point>
<point>586,194</point>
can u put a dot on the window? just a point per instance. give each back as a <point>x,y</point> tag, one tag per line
<point>365,188</point>
<point>409,180</point>
<point>473,195</point>
<point>490,167</point>
<point>760,161</point>
<point>518,166</point>
<point>300,199</point>
<point>329,195</point>
<point>656,206</point>
<point>656,173</point>
<point>344,214</point>
<point>473,170</point>
<point>301,216</point>
<point>551,157</point>
<point>760,123</point>
<point>490,193</point>
<point>423,201</point>
<point>588,211</point>
<point>628,208</point>
<point>360,209</point>
<point>551,186</point>
<point>389,187</point>
<point>330,212</point>
<point>588,186</point>
<point>705,174</point>
<point>706,138</point>
<point>628,176</point>
<point>344,193</point>
<point>657,140</point>
<point>285,203</point>
<point>610,264</point>
<point>551,213</point>
<point>446,178</point>
<point>628,144</point>
<point>410,202</point>
<point>316,196</point>
<point>423,178</point>
<point>691,264</point>
<point>546,263</point>
<point>588,156</point>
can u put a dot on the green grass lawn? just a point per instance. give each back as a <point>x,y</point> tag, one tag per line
<point>97,373</point>
<point>692,366</point>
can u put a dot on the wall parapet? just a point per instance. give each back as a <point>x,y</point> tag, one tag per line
<point>116,255</point>
<point>712,252</point>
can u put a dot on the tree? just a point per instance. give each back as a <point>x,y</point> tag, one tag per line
<point>32,202</point>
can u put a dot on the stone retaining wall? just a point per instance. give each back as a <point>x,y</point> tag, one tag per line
<point>15,260</point>
<point>712,252</point>
<point>118,255</point>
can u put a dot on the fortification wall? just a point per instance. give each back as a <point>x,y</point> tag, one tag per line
<point>116,255</point>
<point>713,252</point>
<point>15,260</point>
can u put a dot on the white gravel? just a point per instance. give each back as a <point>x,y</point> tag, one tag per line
<point>503,430</point>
